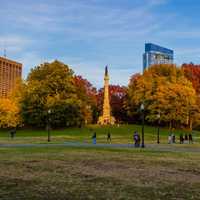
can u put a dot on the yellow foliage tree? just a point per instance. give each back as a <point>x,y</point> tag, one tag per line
<point>165,92</point>
<point>9,114</point>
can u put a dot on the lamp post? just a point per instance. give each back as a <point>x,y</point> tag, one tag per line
<point>142,110</point>
<point>158,131</point>
<point>48,125</point>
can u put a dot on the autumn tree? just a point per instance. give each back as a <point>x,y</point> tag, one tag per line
<point>9,114</point>
<point>88,94</point>
<point>51,86</point>
<point>130,106</point>
<point>164,90</point>
<point>192,73</point>
<point>117,98</point>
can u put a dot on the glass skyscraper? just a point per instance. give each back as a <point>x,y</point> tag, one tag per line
<point>155,54</point>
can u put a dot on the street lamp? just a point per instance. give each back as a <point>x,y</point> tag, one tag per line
<point>142,110</point>
<point>48,125</point>
<point>158,132</point>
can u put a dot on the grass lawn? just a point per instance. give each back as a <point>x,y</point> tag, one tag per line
<point>88,173</point>
<point>122,134</point>
<point>52,172</point>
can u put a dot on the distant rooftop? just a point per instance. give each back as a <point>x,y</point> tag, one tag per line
<point>9,60</point>
<point>149,47</point>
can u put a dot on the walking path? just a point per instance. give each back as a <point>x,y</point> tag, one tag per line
<point>153,147</point>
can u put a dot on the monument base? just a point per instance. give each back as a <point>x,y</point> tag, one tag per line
<point>106,121</point>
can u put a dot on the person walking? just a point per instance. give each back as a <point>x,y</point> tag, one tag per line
<point>173,138</point>
<point>94,138</point>
<point>12,133</point>
<point>135,138</point>
<point>181,139</point>
<point>109,137</point>
<point>169,138</point>
<point>190,139</point>
<point>186,138</point>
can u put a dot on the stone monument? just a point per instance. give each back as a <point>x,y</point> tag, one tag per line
<point>106,118</point>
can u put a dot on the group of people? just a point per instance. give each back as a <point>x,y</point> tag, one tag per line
<point>136,138</point>
<point>94,138</point>
<point>187,138</point>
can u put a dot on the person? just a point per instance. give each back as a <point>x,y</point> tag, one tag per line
<point>94,138</point>
<point>186,138</point>
<point>136,138</point>
<point>173,138</point>
<point>109,137</point>
<point>181,139</point>
<point>169,139</point>
<point>190,138</point>
<point>12,133</point>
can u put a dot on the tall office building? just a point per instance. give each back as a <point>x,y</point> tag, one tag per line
<point>10,71</point>
<point>155,54</point>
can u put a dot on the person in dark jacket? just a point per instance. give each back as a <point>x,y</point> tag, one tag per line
<point>181,139</point>
<point>190,138</point>
<point>173,138</point>
<point>109,137</point>
<point>136,139</point>
<point>186,138</point>
<point>12,133</point>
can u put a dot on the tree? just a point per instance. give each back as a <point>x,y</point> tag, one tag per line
<point>130,106</point>
<point>164,90</point>
<point>9,114</point>
<point>51,86</point>
<point>88,94</point>
<point>192,73</point>
<point>117,98</point>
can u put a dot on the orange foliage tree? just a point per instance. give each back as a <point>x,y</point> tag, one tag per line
<point>164,90</point>
<point>192,73</point>
<point>88,94</point>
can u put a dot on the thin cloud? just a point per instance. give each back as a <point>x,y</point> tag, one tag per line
<point>89,34</point>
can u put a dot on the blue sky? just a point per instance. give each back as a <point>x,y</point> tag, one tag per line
<point>89,34</point>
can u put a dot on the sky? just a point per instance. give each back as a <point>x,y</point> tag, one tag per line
<point>90,34</point>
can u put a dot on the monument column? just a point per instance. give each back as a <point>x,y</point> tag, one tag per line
<point>106,118</point>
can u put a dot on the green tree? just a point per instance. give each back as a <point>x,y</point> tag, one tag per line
<point>51,86</point>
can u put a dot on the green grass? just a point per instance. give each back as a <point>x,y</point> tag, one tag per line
<point>121,134</point>
<point>90,173</point>
<point>98,173</point>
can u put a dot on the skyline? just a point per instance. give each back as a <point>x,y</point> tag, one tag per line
<point>90,34</point>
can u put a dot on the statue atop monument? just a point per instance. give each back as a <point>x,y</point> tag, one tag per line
<point>106,118</point>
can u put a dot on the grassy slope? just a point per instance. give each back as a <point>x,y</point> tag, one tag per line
<point>78,173</point>
<point>122,134</point>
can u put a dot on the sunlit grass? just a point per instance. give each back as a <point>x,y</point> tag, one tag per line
<point>122,134</point>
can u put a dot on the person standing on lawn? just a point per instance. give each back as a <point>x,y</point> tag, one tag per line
<point>109,137</point>
<point>186,138</point>
<point>94,138</point>
<point>190,138</point>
